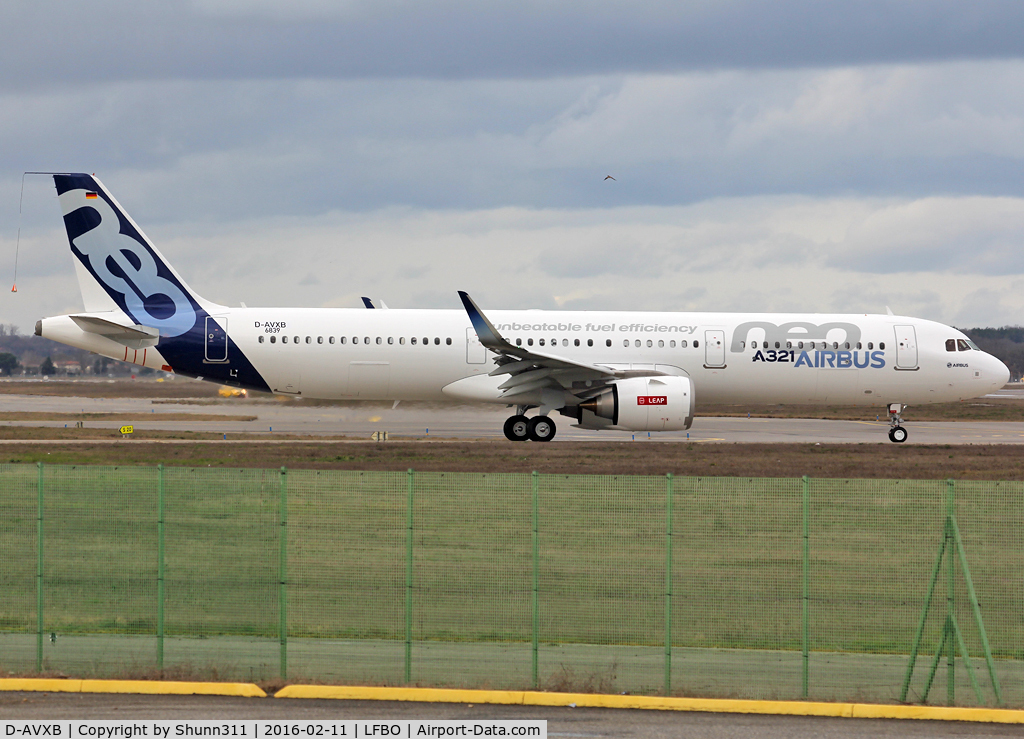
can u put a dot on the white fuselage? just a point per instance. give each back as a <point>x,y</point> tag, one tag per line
<point>370,354</point>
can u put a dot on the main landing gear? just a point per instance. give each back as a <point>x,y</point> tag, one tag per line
<point>521,428</point>
<point>897,433</point>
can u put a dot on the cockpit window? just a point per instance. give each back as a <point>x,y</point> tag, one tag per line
<point>950,345</point>
<point>973,345</point>
<point>962,345</point>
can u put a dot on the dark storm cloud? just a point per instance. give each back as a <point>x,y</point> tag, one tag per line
<point>50,41</point>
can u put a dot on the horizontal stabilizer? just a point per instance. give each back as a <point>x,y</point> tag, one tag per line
<point>130,334</point>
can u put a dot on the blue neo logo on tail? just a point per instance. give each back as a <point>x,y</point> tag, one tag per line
<point>123,264</point>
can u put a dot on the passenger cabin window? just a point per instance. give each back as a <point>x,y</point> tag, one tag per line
<point>319,339</point>
<point>590,342</point>
<point>962,345</point>
<point>576,342</point>
<point>261,338</point>
<point>638,342</point>
<point>682,344</point>
<point>391,339</point>
<point>881,345</point>
<point>607,342</point>
<point>273,339</point>
<point>330,339</point>
<point>695,344</point>
<point>295,339</point>
<point>413,341</point>
<point>401,340</point>
<point>519,342</point>
<point>448,341</point>
<point>425,341</point>
<point>540,341</point>
<point>380,340</point>
<point>309,339</point>
<point>529,342</point>
<point>871,345</point>
<point>672,344</point>
<point>625,342</point>
<point>950,345</point>
<point>284,339</point>
<point>437,341</point>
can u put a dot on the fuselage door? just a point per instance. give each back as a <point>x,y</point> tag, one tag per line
<point>714,348</point>
<point>475,351</point>
<point>906,347</point>
<point>216,339</point>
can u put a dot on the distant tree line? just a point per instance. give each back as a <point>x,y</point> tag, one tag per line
<point>1007,343</point>
<point>33,355</point>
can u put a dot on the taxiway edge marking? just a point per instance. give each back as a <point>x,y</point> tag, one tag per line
<point>147,687</point>
<point>709,705</point>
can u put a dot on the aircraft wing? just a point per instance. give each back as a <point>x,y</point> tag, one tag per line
<point>531,370</point>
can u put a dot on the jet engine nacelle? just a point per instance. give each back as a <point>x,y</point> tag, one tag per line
<point>662,403</point>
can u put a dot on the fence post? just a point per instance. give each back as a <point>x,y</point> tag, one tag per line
<point>160,568</point>
<point>950,615</point>
<point>668,583</point>
<point>39,570</point>
<point>536,585</point>
<point>282,626</point>
<point>806,584</point>
<point>408,577</point>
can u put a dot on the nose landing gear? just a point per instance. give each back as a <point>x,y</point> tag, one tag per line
<point>897,433</point>
<point>521,428</point>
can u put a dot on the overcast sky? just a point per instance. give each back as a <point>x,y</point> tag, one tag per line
<point>785,155</point>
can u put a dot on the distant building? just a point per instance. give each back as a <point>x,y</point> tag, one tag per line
<point>69,367</point>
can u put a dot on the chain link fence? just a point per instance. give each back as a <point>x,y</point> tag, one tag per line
<point>720,587</point>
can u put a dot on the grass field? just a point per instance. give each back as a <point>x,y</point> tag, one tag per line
<point>736,562</point>
<point>713,673</point>
<point>864,461</point>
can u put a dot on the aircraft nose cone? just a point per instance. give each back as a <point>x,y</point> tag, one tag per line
<point>1000,372</point>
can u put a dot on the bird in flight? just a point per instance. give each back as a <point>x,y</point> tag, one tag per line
<point>609,177</point>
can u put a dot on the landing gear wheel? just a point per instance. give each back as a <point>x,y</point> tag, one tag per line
<point>517,428</point>
<point>898,434</point>
<point>541,428</point>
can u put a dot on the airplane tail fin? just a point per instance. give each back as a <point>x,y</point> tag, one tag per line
<point>117,265</point>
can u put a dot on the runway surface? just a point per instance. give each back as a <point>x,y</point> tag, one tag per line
<point>562,722</point>
<point>460,422</point>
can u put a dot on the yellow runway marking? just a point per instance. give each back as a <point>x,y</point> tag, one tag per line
<point>589,700</point>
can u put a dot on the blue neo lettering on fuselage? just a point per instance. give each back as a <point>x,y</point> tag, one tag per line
<point>824,359</point>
